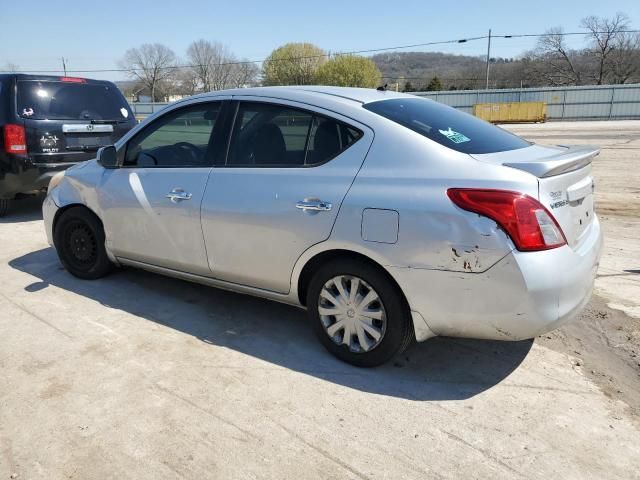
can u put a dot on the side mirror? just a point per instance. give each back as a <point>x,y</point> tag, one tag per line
<point>108,157</point>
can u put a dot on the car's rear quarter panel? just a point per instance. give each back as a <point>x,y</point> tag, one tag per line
<point>409,174</point>
<point>443,256</point>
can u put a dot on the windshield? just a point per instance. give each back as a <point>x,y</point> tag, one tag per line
<point>447,126</point>
<point>53,100</point>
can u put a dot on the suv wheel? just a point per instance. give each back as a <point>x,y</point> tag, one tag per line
<point>4,206</point>
<point>79,241</point>
<point>358,313</point>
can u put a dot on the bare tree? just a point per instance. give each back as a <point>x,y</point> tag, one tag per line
<point>202,56</point>
<point>555,62</point>
<point>10,67</point>
<point>623,63</point>
<point>244,74</point>
<point>217,68</point>
<point>604,34</point>
<point>153,65</point>
<point>187,82</point>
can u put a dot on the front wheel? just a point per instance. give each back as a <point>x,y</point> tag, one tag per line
<point>79,241</point>
<point>358,313</point>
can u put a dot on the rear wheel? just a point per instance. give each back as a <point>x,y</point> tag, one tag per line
<point>4,206</point>
<point>79,241</point>
<point>358,313</point>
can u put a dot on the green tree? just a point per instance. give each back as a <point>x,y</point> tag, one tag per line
<point>434,85</point>
<point>349,71</point>
<point>408,87</point>
<point>293,64</point>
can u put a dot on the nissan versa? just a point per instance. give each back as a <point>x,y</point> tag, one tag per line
<point>49,123</point>
<point>388,217</point>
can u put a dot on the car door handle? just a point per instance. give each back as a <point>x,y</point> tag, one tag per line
<point>177,194</point>
<point>314,205</point>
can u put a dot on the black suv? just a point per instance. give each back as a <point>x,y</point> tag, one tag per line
<point>49,123</point>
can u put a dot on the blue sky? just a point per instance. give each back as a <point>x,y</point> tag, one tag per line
<point>94,35</point>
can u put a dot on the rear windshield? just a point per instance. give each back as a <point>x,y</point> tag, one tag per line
<point>41,100</point>
<point>447,126</point>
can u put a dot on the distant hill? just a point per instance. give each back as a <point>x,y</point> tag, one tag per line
<point>420,67</point>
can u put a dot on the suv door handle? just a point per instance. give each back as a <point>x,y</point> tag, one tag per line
<point>177,194</point>
<point>314,205</point>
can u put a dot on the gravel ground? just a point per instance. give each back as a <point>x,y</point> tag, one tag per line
<point>139,376</point>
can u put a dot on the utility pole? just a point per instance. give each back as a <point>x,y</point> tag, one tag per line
<point>488,58</point>
<point>64,66</point>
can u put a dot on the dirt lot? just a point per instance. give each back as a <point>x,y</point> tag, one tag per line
<point>607,342</point>
<point>139,376</point>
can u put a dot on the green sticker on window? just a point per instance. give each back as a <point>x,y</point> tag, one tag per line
<point>455,137</point>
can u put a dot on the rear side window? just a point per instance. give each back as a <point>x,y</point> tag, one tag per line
<point>447,126</point>
<point>280,136</point>
<point>71,100</point>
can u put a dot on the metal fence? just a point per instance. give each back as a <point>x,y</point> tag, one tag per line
<point>144,109</point>
<point>606,102</point>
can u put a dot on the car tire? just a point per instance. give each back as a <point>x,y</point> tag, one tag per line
<point>367,304</point>
<point>4,206</point>
<point>79,240</point>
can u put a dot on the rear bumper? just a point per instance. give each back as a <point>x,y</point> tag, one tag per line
<point>524,295</point>
<point>21,175</point>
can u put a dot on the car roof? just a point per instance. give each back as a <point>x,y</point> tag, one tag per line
<point>345,101</point>
<point>360,95</point>
<point>319,92</point>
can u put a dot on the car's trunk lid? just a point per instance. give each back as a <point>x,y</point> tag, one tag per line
<point>565,182</point>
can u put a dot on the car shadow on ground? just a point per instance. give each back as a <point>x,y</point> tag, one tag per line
<point>439,369</point>
<point>27,209</point>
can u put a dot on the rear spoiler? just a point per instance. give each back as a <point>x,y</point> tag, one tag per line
<point>573,158</point>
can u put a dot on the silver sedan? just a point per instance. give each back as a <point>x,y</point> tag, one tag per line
<point>388,217</point>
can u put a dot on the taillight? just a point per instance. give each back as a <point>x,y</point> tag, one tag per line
<point>526,221</point>
<point>15,140</point>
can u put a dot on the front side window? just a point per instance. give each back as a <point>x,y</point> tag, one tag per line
<point>447,126</point>
<point>280,136</point>
<point>178,139</point>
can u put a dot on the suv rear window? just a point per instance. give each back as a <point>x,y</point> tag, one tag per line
<point>55,100</point>
<point>447,126</point>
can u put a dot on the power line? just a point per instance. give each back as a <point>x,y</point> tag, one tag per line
<point>352,52</point>
<point>562,34</point>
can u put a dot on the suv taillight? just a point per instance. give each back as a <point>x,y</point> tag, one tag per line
<point>526,221</point>
<point>15,140</point>
<point>72,80</point>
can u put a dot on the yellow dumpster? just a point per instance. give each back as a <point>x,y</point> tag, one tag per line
<point>511,112</point>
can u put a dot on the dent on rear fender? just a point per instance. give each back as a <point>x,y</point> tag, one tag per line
<point>468,243</point>
<point>457,257</point>
<point>467,258</point>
